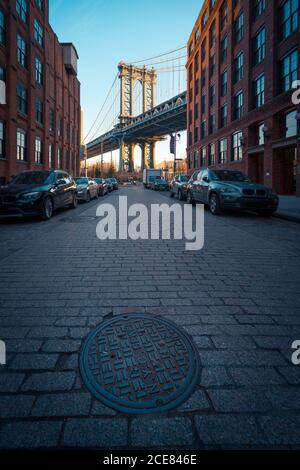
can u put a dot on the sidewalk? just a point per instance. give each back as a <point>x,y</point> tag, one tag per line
<point>289,208</point>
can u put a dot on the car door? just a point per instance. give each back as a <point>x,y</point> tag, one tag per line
<point>203,186</point>
<point>68,188</point>
<point>61,185</point>
<point>93,188</point>
<point>195,185</point>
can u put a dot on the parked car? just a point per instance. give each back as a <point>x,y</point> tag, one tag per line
<point>109,184</point>
<point>159,184</point>
<point>38,193</point>
<point>87,189</point>
<point>227,189</point>
<point>178,187</point>
<point>102,186</point>
<point>114,183</point>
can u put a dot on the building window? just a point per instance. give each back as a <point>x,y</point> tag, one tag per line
<point>261,134</point>
<point>239,28</point>
<point>191,48</point>
<point>212,65</point>
<point>196,134</point>
<point>258,8</point>
<point>40,4</point>
<point>59,158</point>
<point>203,156</point>
<point>203,129</point>
<point>223,151</point>
<point>223,15</point>
<point>197,87</point>
<point>51,156</point>
<point>2,145</point>
<point>2,28</point>
<point>259,92</point>
<point>2,74</point>
<point>21,145</point>
<point>38,154</point>
<point>211,155</point>
<point>38,32</point>
<point>191,72</point>
<point>21,99</point>
<point>289,13</point>
<point>39,111</point>
<point>51,120</point>
<point>212,4</point>
<point>288,71</point>
<point>238,105</point>
<point>224,115</point>
<point>21,51</point>
<point>237,150</point>
<point>203,103</point>
<point>196,62</point>
<point>290,121</point>
<point>197,36</point>
<point>259,46</point>
<point>203,49</point>
<point>212,35</point>
<point>239,67</point>
<point>38,71</point>
<point>224,83</point>
<point>203,78</point>
<point>22,9</point>
<point>212,123</point>
<point>196,111</point>
<point>212,95</point>
<point>204,20</point>
<point>224,48</point>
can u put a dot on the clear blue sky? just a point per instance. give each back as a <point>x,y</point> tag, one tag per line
<point>108,31</point>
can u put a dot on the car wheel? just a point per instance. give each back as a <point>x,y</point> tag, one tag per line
<point>180,197</point>
<point>171,193</point>
<point>214,204</point>
<point>190,199</point>
<point>88,197</point>
<point>47,209</point>
<point>74,202</point>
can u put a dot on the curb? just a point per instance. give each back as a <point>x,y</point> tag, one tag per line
<point>290,218</point>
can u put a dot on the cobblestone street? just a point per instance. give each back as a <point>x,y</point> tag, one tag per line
<point>238,298</point>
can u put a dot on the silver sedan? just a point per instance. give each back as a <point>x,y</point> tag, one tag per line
<point>87,189</point>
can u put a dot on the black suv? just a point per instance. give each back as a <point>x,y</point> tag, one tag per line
<point>33,193</point>
<point>226,189</point>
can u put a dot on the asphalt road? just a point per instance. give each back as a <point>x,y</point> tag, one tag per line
<point>238,298</point>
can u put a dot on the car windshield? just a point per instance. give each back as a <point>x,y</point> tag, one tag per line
<point>99,180</point>
<point>224,175</point>
<point>32,177</point>
<point>183,179</point>
<point>81,180</point>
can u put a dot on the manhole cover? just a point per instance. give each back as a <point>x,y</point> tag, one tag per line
<point>140,364</point>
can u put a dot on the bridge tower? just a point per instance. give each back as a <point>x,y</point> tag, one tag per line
<point>128,75</point>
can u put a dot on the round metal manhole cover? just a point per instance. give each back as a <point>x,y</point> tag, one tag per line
<point>140,364</point>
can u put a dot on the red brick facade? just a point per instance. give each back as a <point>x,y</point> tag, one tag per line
<point>274,158</point>
<point>59,93</point>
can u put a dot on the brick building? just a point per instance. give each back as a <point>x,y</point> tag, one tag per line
<point>40,122</point>
<point>243,57</point>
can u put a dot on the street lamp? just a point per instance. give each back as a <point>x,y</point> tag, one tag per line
<point>173,148</point>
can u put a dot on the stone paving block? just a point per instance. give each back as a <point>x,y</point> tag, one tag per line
<point>10,382</point>
<point>48,332</point>
<point>49,381</point>
<point>23,345</point>
<point>252,376</point>
<point>26,435</point>
<point>215,376</point>
<point>232,342</point>
<point>281,430</point>
<point>62,404</point>
<point>95,433</point>
<point>34,361</point>
<point>61,345</point>
<point>16,406</point>
<point>161,432</point>
<point>284,398</point>
<point>230,431</point>
<point>197,402</point>
<point>239,400</point>
<point>98,409</point>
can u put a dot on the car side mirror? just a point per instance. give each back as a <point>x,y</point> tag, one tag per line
<point>60,182</point>
<point>206,179</point>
